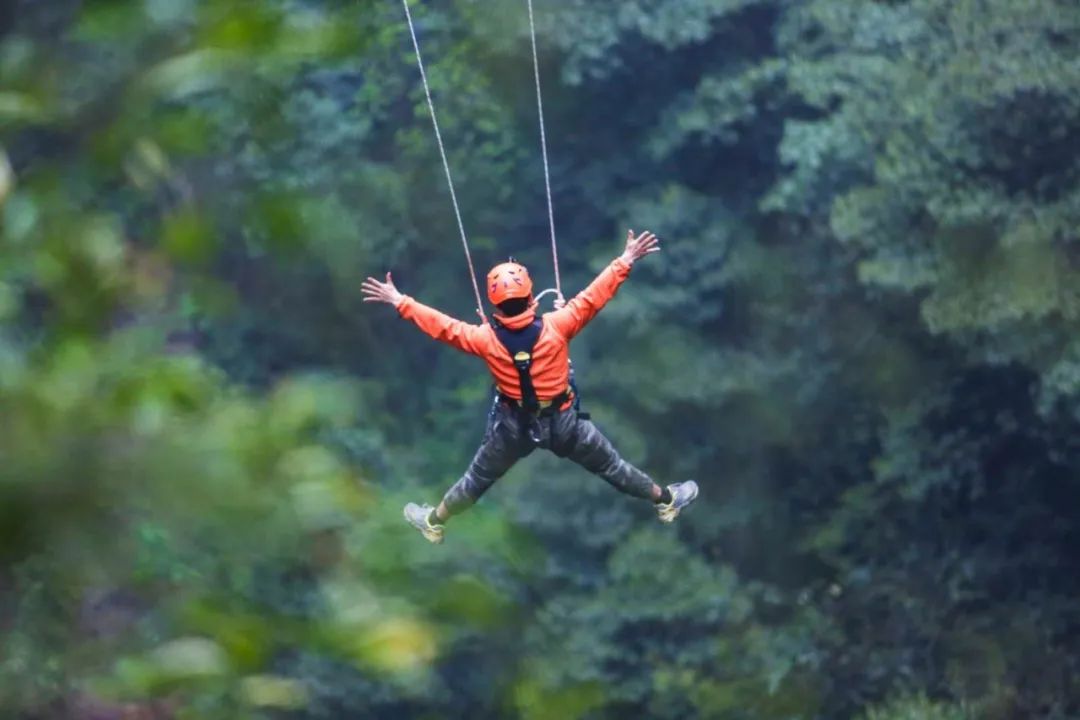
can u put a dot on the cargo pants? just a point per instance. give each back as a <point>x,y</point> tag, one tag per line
<point>507,440</point>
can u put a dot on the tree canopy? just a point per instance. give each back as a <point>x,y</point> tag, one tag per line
<point>860,340</point>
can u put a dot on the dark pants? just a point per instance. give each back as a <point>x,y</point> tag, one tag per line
<point>507,440</point>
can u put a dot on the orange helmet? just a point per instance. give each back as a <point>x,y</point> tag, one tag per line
<point>507,281</point>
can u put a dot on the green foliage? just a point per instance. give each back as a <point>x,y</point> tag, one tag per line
<point>940,150</point>
<point>858,339</point>
<point>916,708</point>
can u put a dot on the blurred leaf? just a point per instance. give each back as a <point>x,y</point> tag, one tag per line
<point>396,645</point>
<point>188,238</point>
<point>18,108</point>
<point>269,691</point>
<point>193,73</point>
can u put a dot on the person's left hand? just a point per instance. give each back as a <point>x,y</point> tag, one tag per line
<point>375,291</point>
<point>638,247</point>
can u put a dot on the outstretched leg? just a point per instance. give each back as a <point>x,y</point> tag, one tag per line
<point>581,441</point>
<point>502,447</point>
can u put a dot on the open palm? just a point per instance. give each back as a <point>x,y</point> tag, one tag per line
<point>386,292</point>
<point>638,247</point>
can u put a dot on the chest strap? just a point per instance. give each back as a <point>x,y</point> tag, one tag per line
<point>520,344</point>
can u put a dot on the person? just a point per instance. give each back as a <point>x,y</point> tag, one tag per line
<point>528,357</point>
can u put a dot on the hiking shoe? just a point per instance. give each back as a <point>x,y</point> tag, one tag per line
<point>682,494</point>
<point>418,515</point>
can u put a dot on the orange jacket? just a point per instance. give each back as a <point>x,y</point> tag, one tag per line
<point>551,355</point>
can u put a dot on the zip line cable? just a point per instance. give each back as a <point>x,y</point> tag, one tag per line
<point>445,162</point>
<point>543,149</point>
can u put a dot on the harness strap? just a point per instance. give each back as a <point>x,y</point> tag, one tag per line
<point>520,344</point>
<point>529,402</point>
<point>546,406</point>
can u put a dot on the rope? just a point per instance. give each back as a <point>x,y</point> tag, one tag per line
<point>445,162</point>
<point>543,148</point>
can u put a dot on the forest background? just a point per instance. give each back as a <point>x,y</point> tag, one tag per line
<point>860,339</point>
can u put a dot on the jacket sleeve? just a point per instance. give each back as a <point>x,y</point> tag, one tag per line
<point>442,327</point>
<point>577,313</point>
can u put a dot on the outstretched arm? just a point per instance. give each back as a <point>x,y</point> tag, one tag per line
<point>442,327</point>
<point>572,317</point>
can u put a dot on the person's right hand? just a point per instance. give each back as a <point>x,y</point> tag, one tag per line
<point>638,247</point>
<point>375,291</point>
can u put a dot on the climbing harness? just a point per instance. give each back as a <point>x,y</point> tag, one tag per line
<point>557,290</point>
<point>520,344</point>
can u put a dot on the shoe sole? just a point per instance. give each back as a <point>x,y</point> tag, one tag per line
<point>674,513</point>
<point>432,537</point>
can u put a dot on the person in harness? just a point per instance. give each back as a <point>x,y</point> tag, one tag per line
<point>528,357</point>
